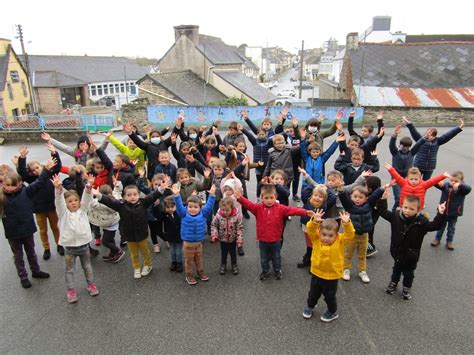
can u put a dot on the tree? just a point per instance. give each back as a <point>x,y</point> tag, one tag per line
<point>230,101</point>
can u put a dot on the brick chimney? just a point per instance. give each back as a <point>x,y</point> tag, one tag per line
<point>352,41</point>
<point>190,31</point>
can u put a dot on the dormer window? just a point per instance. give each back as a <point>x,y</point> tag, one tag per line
<point>14,76</point>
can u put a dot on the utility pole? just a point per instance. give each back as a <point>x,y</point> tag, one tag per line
<point>301,68</point>
<point>126,89</point>
<point>27,66</point>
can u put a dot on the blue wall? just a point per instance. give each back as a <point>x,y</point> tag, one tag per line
<point>205,115</point>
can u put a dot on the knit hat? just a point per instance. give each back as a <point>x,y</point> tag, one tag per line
<point>230,183</point>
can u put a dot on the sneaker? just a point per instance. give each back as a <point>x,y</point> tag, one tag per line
<point>156,248</point>
<point>97,242</point>
<point>92,289</point>
<point>278,275</point>
<point>264,276</point>
<point>191,280</point>
<point>329,317</point>
<point>406,293</point>
<point>307,312</point>
<point>123,243</point>
<point>25,283</point>
<point>94,252</point>
<point>289,218</point>
<point>146,270</point>
<point>240,251</point>
<point>119,256</point>
<point>40,275</point>
<point>47,254</point>
<point>60,250</point>
<point>137,273</point>
<point>72,296</point>
<point>235,270</point>
<point>174,266</point>
<point>108,257</point>
<point>450,246</point>
<point>203,276</point>
<point>364,277</point>
<point>371,250</point>
<point>435,243</point>
<point>347,275</point>
<point>296,198</point>
<point>179,267</point>
<point>391,288</point>
<point>223,270</point>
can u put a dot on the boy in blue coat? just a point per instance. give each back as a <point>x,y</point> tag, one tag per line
<point>425,160</point>
<point>193,230</point>
<point>453,193</point>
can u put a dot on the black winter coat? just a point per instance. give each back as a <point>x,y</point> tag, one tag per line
<point>124,176</point>
<point>407,235</point>
<point>133,217</point>
<point>17,217</point>
<point>454,199</point>
<point>172,227</point>
<point>280,160</point>
<point>43,201</point>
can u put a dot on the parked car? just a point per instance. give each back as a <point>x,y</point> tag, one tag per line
<point>304,85</point>
<point>291,101</point>
<point>287,92</point>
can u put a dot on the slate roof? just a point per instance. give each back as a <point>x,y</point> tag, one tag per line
<point>439,38</point>
<point>248,86</point>
<point>314,59</point>
<point>53,79</point>
<point>427,65</point>
<point>217,51</point>
<point>3,70</point>
<point>187,86</point>
<point>89,69</point>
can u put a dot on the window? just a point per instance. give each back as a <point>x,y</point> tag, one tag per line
<point>99,90</point>
<point>111,89</point>
<point>10,91</point>
<point>93,91</point>
<point>122,88</point>
<point>14,76</point>
<point>133,90</point>
<point>106,89</point>
<point>24,88</point>
<point>127,85</point>
<point>117,88</point>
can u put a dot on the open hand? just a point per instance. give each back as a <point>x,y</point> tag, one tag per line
<point>212,190</point>
<point>380,115</point>
<point>406,120</point>
<point>318,215</point>
<point>442,207</point>
<point>302,171</point>
<point>175,189</point>
<point>57,183</point>
<point>45,136</point>
<point>51,163</point>
<point>398,129</point>
<point>23,151</point>
<point>345,216</point>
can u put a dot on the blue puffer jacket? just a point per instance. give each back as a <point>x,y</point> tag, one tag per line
<point>306,193</point>
<point>315,167</point>
<point>361,216</point>
<point>260,149</point>
<point>425,160</point>
<point>454,199</point>
<point>193,228</point>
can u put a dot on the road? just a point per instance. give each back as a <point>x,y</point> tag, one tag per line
<point>284,83</point>
<point>240,314</point>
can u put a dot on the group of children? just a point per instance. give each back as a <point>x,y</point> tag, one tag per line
<point>141,193</point>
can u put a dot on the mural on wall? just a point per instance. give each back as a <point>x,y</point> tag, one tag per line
<point>162,116</point>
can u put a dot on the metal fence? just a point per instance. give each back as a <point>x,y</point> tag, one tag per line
<point>57,122</point>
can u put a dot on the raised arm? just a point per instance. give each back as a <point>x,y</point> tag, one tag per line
<point>249,136</point>
<point>122,148</point>
<point>330,131</point>
<point>434,180</point>
<point>392,145</point>
<point>413,131</point>
<point>251,125</point>
<point>417,146</point>
<point>330,151</point>
<point>62,147</point>
<point>395,175</point>
<point>350,125</point>
<point>445,138</point>
<point>105,159</point>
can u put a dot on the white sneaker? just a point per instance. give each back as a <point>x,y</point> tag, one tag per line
<point>146,270</point>
<point>365,278</point>
<point>137,273</point>
<point>347,275</point>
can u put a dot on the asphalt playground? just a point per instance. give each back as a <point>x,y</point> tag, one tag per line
<point>240,314</point>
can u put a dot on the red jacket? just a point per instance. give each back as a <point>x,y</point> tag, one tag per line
<point>101,179</point>
<point>418,190</point>
<point>270,219</point>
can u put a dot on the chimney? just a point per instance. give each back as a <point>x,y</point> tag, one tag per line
<point>4,43</point>
<point>190,31</point>
<point>352,41</point>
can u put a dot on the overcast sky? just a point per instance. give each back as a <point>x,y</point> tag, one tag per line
<point>145,28</point>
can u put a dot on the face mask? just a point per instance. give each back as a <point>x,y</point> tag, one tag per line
<point>312,129</point>
<point>193,135</point>
<point>155,140</point>
<point>262,139</point>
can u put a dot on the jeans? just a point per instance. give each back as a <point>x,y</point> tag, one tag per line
<point>135,248</point>
<point>451,223</point>
<point>42,219</point>
<point>396,196</point>
<point>360,243</point>
<point>270,252</point>
<point>176,252</point>
<point>229,248</point>
<point>109,242</point>
<point>17,246</point>
<point>71,253</point>
<point>327,288</point>
<point>408,272</point>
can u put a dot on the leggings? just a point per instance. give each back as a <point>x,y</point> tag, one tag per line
<point>85,256</point>
<point>229,248</point>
